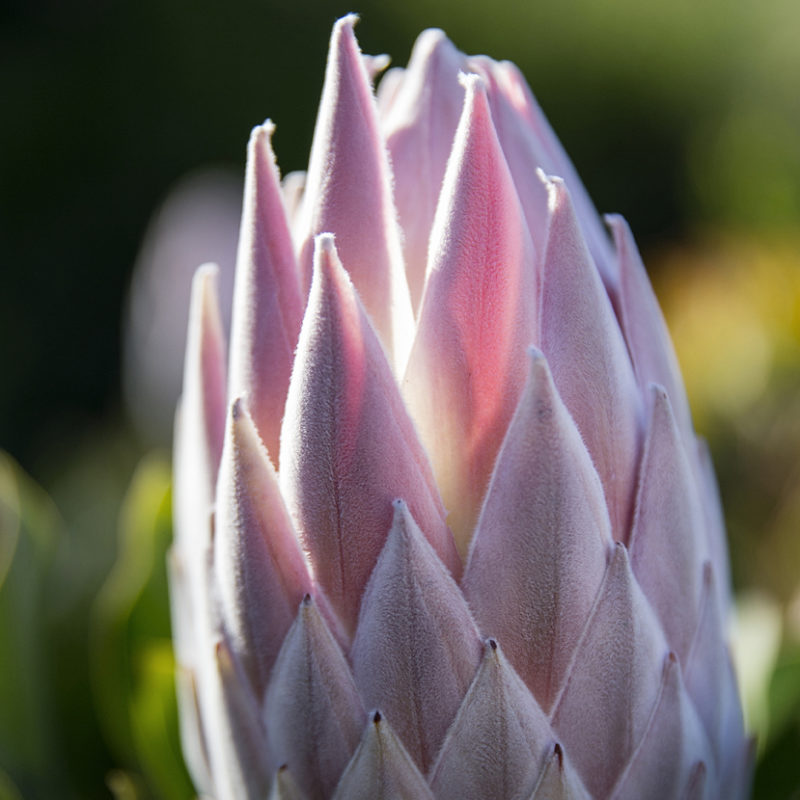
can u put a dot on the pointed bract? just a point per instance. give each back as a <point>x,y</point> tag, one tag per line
<point>387,91</point>
<point>381,768</point>
<point>312,689</point>
<point>668,529</point>
<point>185,646</point>
<point>349,445</point>
<point>553,160</point>
<point>416,648</point>
<point>467,366</point>
<point>195,620</point>
<point>544,534</point>
<point>201,421</point>
<point>711,682</point>
<point>193,738</point>
<point>259,568</point>
<point>375,65</point>
<point>497,745</point>
<point>419,130</point>
<point>697,784</point>
<point>588,358</point>
<point>199,431</point>
<point>349,193</point>
<point>521,148</point>
<point>284,786</point>
<point>715,527</point>
<point>643,325</point>
<point>267,304</point>
<point>618,665</point>
<point>663,762</point>
<point>293,187</point>
<point>556,468</point>
<point>559,781</point>
<point>236,738</point>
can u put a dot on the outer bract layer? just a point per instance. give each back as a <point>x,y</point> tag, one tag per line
<point>444,529</point>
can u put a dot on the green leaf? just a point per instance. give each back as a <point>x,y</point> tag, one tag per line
<point>154,717</point>
<point>8,790</point>
<point>784,692</point>
<point>29,530</point>
<point>133,668</point>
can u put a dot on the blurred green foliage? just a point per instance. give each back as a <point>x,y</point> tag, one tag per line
<point>133,669</point>
<point>100,717</point>
<point>28,540</point>
<point>733,304</point>
<point>777,773</point>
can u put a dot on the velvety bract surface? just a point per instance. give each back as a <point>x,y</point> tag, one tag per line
<point>443,526</point>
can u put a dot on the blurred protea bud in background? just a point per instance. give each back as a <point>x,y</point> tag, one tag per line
<point>197,221</point>
<point>443,527</point>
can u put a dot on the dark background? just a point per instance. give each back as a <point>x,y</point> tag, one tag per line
<point>669,114</point>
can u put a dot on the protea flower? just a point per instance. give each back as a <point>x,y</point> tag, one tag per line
<point>443,527</point>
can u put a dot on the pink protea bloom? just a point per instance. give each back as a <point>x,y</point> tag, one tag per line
<point>443,527</point>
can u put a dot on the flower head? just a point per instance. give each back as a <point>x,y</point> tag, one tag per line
<point>444,529</point>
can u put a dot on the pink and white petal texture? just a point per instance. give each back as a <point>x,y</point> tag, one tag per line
<point>715,527</point>
<point>349,193</point>
<point>554,160</point>
<point>467,365</point>
<point>181,607</point>
<point>381,768</point>
<point>458,483</point>
<point>588,358</point>
<point>667,540</point>
<point>259,567</point>
<point>559,781</point>
<point>193,604</point>
<point>387,90</point>
<point>521,149</point>
<point>544,535</point>
<point>293,187</point>
<point>416,648</point>
<point>498,744</point>
<point>312,689</point>
<point>267,303</point>
<point>697,786</point>
<point>200,423</point>
<point>349,446</point>
<point>654,359</point>
<point>236,737</point>
<point>185,646</point>
<point>195,618</point>
<point>284,786</point>
<point>419,129</point>
<point>665,758</point>
<point>199,431</point>
<point>192,735</point>
<point>375,65</point>
<point>613,682</point>
<point>711,682</point>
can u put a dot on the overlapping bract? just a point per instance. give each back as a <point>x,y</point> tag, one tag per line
<point>479,554</point>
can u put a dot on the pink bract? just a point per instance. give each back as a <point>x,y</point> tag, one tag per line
<point>443,526</point>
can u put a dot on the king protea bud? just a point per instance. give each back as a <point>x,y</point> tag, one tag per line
<point>443,527</point>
